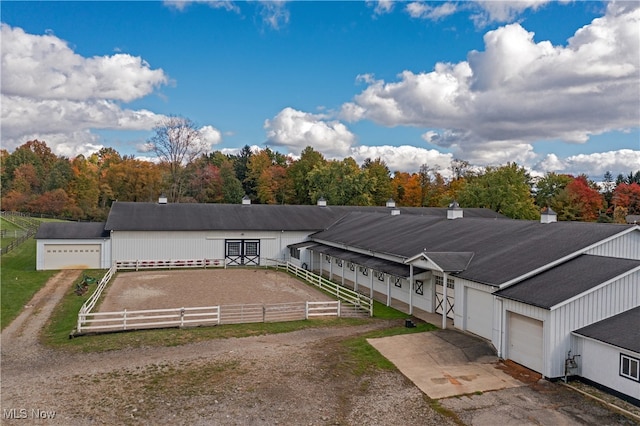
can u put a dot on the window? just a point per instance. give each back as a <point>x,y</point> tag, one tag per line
<point>365,271</point>
<point>450,283</point>
<point>397,281</point>
<point>327,258</point>
<point>630,367</point>
<point>419,287</point>
<point>339,263</point>
<point>294,253</point>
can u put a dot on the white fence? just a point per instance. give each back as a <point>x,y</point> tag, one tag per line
<point>349,303</point>
<point>360,301</point>
<point>209,315</point>
<point>169,264</point>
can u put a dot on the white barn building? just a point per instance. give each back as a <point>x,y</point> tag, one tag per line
<point>526,286</point>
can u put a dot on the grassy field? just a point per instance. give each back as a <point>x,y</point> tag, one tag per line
<point>19,280</point>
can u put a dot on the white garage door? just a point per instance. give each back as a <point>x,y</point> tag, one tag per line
<point>72,256</point>
<point>479,312</point>
<point>525,341</point>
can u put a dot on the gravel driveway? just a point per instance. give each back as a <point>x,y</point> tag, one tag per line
<point>304,378</point>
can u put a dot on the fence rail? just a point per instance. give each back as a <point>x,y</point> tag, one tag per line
<point>28,225</point>
<point>169,264</point>
<point>349,303</point>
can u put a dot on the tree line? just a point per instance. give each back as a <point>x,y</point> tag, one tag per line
<point>34,180</point>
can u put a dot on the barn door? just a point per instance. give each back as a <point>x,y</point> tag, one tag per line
<point>242,252</point>
<point>439,300</point>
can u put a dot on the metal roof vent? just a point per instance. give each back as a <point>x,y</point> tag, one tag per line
<point>246,200</point>
<point>162,199</point>
<point>322,202</point>
<point>390,203</point>
<point>548,216</point>
<point>454,211</point>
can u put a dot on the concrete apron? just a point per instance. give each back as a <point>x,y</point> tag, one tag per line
<point>445,363</point>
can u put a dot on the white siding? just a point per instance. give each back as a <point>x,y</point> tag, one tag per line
<point>617,297</point>
<point>138,245</point>
<point>626,246</point>
<point>600,362</point>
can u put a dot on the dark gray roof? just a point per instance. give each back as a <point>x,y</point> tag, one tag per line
<point>71,230</point>
<point>570,279</point>
<point>386,266</point>
<point>503,249</point>
<point>127,216</point>
<point>451,261</point>
<point>621,330</point>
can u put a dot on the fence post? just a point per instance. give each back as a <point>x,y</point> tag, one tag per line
<point>181,317</point>
<point>339,305</point>
<point>306,310</point>
<point>264,313</point>
<point>124,320</point>
<point>79,326</point>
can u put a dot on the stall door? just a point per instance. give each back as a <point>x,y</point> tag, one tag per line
<point>242,252</point>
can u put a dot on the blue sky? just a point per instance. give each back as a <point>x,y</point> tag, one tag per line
<point>552,86</point>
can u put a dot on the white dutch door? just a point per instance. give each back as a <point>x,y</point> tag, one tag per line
<point>525,341</point>
<point>439,301</point>
<point>479,312</point>
<point>72,256</point>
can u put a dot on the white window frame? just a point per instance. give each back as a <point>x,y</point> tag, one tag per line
<point>626,369</point>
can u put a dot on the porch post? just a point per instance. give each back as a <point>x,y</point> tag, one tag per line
<point>411,289</point>
<point>444,300</point>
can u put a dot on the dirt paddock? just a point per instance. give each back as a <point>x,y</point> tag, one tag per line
<point>204,287</point>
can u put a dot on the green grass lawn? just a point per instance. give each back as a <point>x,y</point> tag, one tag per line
<point>19,280</point>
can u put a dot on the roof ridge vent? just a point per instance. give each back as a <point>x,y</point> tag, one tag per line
<point>246,200</point>
<point>322,202</point>
<point>454,211</point>
<point>162,199</point>
<point>391,204</point>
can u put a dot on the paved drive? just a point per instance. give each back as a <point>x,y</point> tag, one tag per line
<point>445,363</point>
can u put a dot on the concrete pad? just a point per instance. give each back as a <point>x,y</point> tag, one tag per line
<point>445,363</point>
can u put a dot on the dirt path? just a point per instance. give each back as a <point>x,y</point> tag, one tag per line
<point>20,338</point>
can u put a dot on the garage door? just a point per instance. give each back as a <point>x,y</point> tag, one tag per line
<point>479,312</point>
<point>72,256</point>
<point>525,341</point>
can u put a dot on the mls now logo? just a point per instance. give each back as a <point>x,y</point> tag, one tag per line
<point>23,413</point>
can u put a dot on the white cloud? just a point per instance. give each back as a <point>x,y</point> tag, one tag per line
<point>44,67</point>
<point>53,93</point>
<point>426,11</point>
<point>274,13</point>
<point>216,4</point>
<point>503,11</point>
<point>210,135</point>
<point>295,130</point>
<point>403,158</point>
<point>594,165</point>
<point>381,7</point>
<point>516,92</point>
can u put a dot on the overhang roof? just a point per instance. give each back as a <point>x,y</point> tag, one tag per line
<point>130,216</point>
<point>620,330</point>
<point>386,266</point>
<point>445,261</point>
<point>503,249</point>
<point>570,279</point>
<point>71,231</point>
